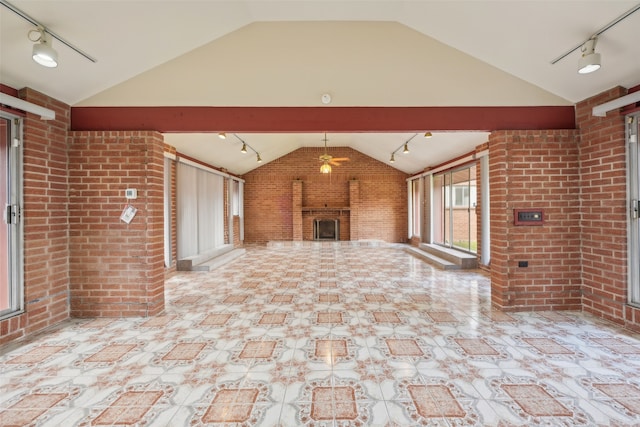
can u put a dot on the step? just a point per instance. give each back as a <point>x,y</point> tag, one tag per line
<point>432,259</point>
<point>220,260</point>
<point>465,260</point>
<point>187,264</point>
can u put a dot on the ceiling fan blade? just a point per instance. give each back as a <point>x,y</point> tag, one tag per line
<point>340,159</point>
<point>334,163</point>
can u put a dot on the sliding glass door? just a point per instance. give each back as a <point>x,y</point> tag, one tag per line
<point>11,286</point>
<point>454,208</point>
<point>633,179</point>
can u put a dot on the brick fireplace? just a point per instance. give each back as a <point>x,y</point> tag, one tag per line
<point>326,229</point>
<point>343,219</point>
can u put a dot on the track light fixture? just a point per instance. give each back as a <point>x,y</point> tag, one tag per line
<point>428,134</point>
<point>590,60</point>
<point>43,53</point>
<point>243,150</point>
<point>404,146</point>
<point>222,135</point>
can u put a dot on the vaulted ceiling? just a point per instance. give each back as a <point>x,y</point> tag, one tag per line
<point>263,53</point>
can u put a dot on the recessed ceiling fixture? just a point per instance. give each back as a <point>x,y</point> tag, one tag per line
<point>590,60</point>
<point>43,53</point>
<point>428,134</point>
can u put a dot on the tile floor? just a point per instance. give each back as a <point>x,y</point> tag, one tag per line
<point>326,335</point>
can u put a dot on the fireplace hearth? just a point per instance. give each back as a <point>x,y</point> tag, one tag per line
<point>326,229</point>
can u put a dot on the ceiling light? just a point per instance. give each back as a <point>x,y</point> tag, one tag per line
<point>428,135</point>
<point>258,158</point>
<point>589,61</point>
<point>222,135</point>
<point>325,168</point>
<point>244,148</point>
<point>393,158</point>
<point>43,53</point>
<point>406,148</point>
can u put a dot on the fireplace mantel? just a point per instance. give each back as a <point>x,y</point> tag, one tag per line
<point>325,209</point>
<point>348,215</point>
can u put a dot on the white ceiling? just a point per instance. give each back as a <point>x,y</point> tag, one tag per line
<point>287,53</point>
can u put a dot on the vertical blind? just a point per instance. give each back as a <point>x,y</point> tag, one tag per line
<point>200,210</point>
<point>167,212</point>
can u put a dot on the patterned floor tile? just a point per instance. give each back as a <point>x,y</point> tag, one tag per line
<point>335,334</point>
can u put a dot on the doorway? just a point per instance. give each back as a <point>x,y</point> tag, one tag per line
<point>454,208</point>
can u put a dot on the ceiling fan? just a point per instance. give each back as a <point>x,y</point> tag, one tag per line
<point>328,160</point>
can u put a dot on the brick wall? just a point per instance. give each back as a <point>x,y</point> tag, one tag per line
<point>46,250</point>
<point>116,269</point>
<point>173,212</point>
<point>381,189</point>
<point>535,169</point>
<point>604,212</point>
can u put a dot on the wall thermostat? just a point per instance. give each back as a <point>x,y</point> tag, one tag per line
<point>131,193</point>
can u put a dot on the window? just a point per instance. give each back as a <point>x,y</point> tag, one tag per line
<point>416,207</point>
<point>11,234</point>
<point>454,208</point>
<point>235,198</point>
<point>462,196</point>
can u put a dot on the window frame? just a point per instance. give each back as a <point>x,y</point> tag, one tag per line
<point>15,233</point>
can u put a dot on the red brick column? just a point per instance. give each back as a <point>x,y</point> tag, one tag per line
<point>354,204</point>
<point>296,212</point>
<point>604,212</point>
<point>535,170</point>
<point>116,269</point>
<point>44,216</point>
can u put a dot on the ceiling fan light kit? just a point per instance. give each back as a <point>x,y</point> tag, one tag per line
<point>328,160</point>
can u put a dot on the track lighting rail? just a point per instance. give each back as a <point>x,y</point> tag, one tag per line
<point>33,21</point>
<point>600,31</point>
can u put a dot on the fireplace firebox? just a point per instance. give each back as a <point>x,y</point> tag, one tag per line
<point>326,229</point>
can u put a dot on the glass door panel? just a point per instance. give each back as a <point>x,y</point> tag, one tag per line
<point>5,283</point>
<point>454,210</point>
